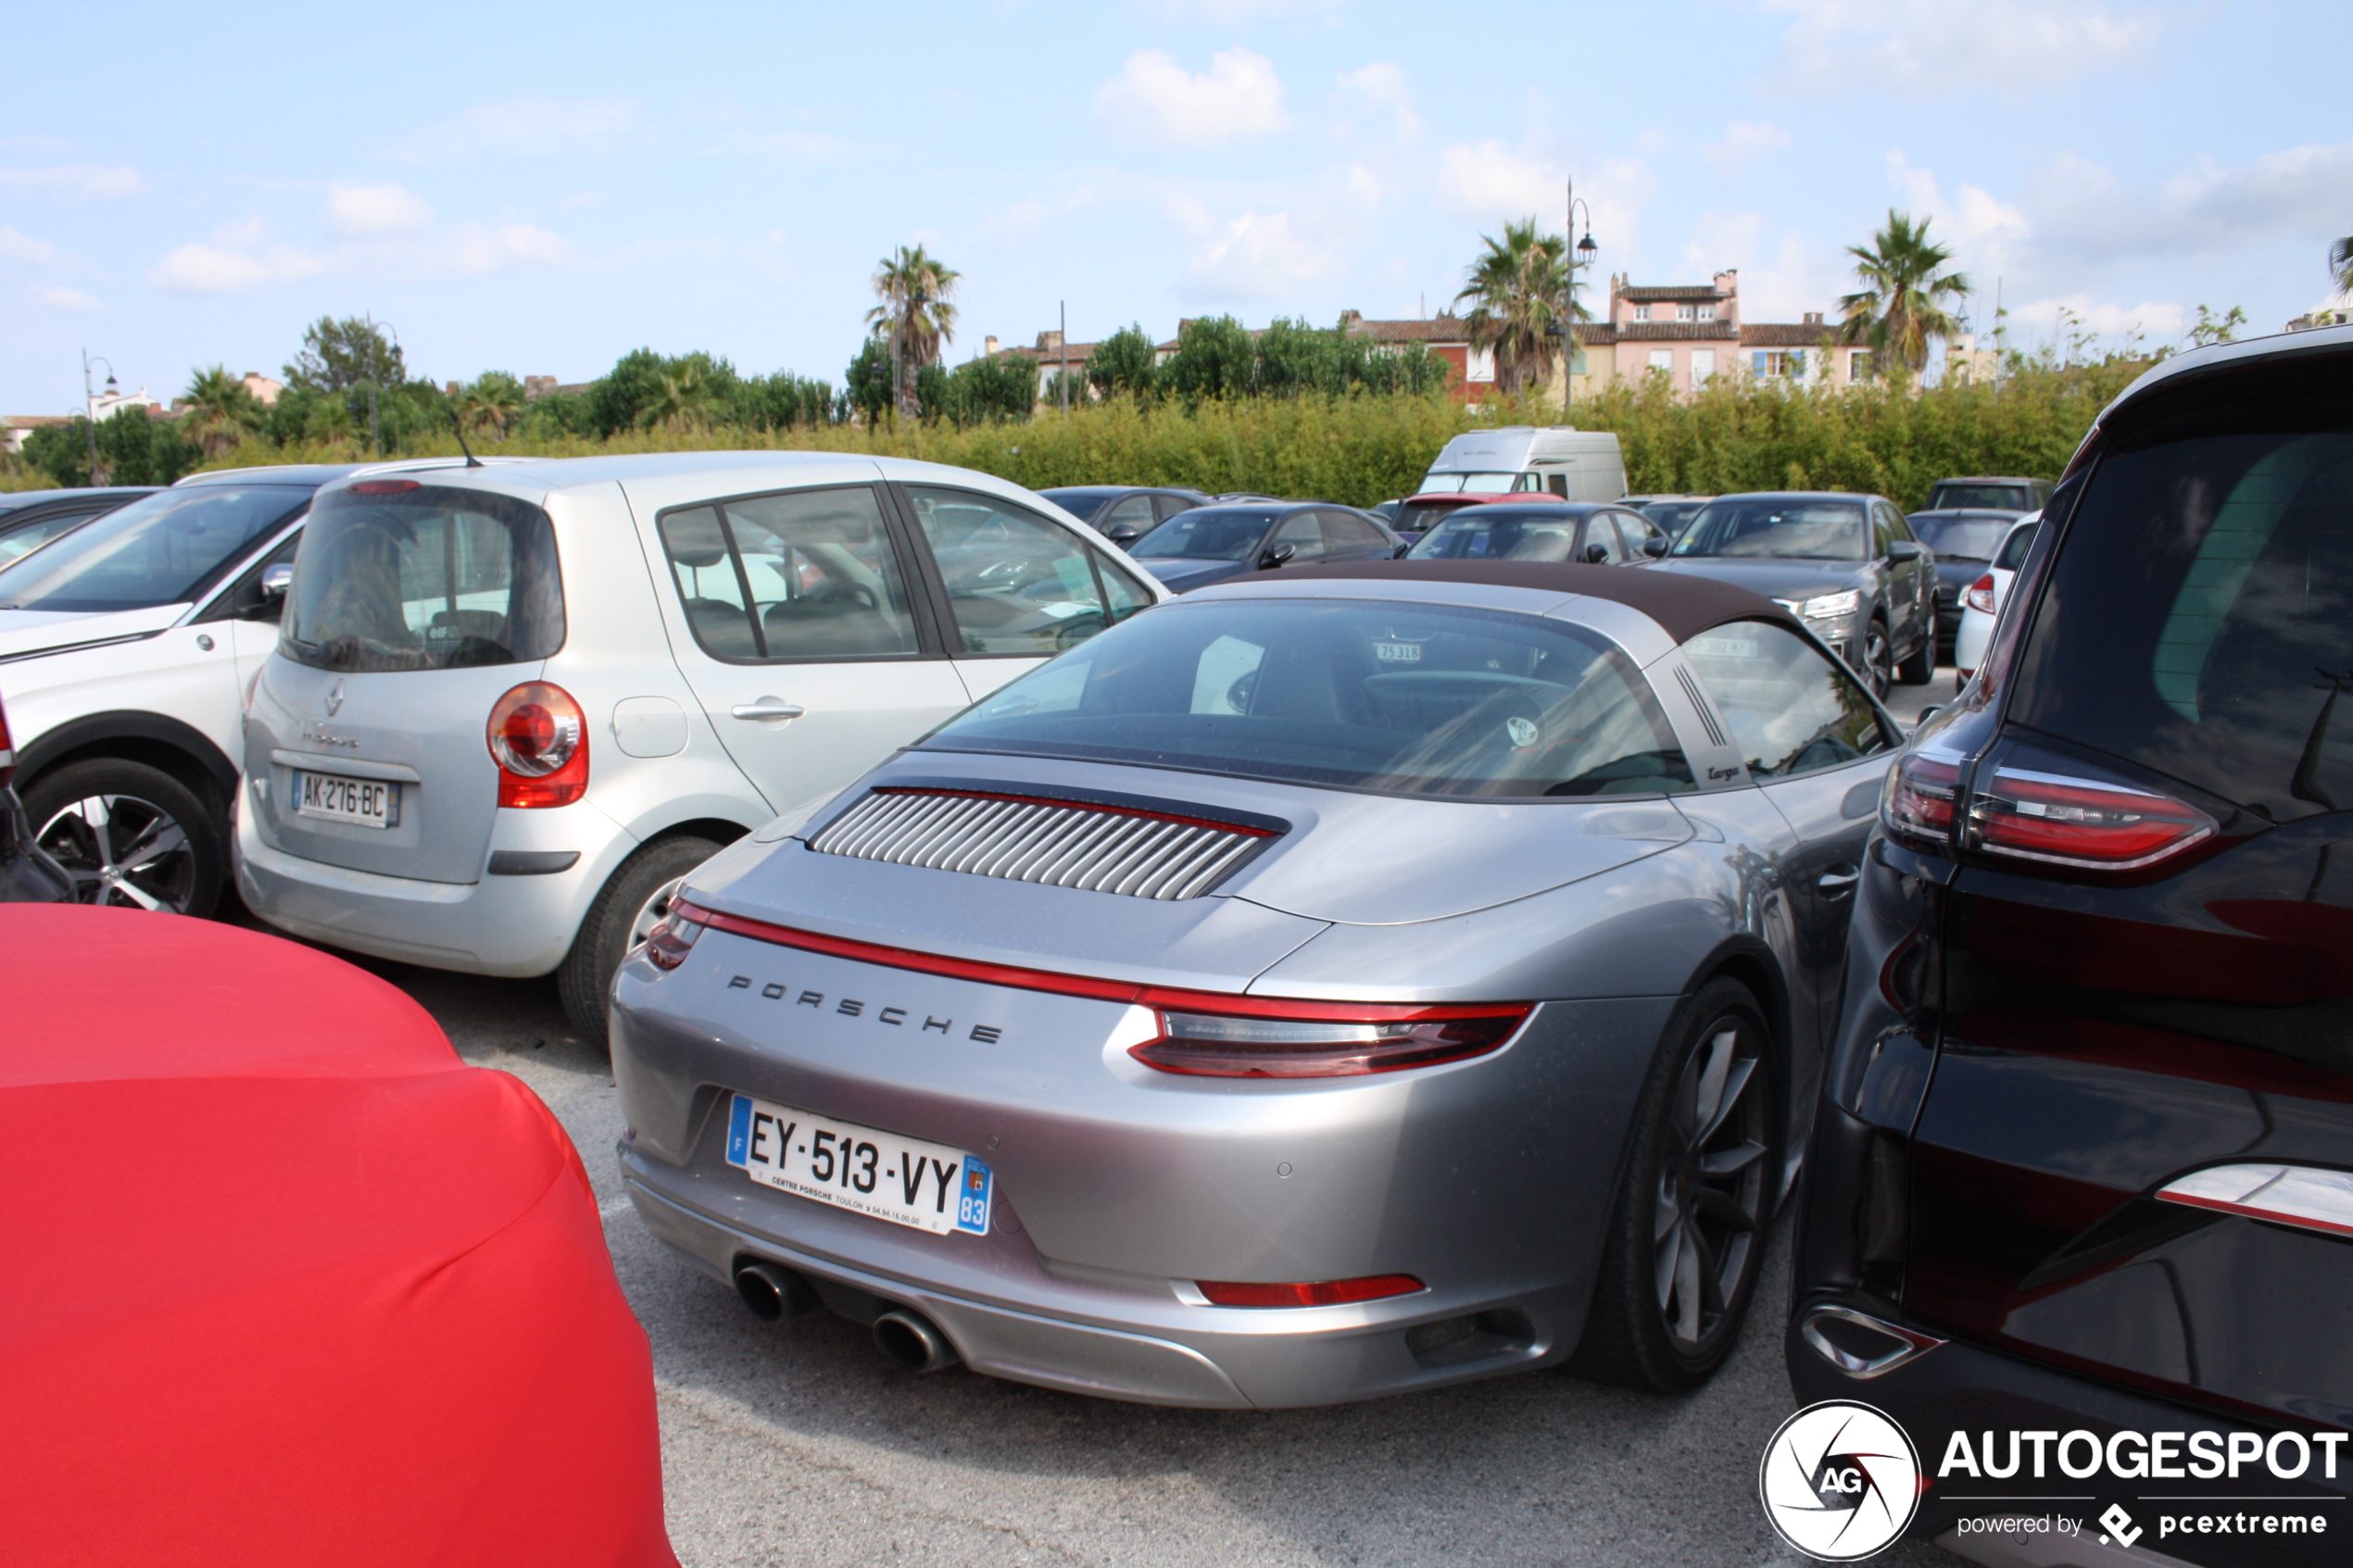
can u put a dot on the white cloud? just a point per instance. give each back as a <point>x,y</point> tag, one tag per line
<point>807,148</point>
<point>1257,255</point>
<point>1986,236</point>
<point>65,299</point>
<point>523,127</point>
<point>217,269</point>
<point>1155,100</point>
<point>1744,140</point>
<point>76,180</point>
<point>1490,183</point>
<point>17,247</point>
<point>1907,48</point>
<point>369,211</point>
<point>1382,89</point>
<point>1782,279</point>
<point>2037,321</point>
<point>476,249</point>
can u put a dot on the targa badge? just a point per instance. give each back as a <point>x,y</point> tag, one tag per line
<point>1839,1480</point>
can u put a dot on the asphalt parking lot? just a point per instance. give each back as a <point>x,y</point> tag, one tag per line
<point>797,1443</point>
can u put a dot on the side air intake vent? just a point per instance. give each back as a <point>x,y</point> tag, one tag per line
<point>1061,843</point>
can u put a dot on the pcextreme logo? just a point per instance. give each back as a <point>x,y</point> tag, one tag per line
<point>1840,1481</point>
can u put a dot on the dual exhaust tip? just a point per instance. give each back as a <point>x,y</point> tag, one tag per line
<point>907,1339</point>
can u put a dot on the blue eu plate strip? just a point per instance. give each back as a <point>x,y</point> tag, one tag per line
<point>739,1131</point>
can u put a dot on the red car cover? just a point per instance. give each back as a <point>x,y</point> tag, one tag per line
<point>282,1281</point>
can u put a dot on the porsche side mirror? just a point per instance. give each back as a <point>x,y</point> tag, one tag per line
<point>1276,555</point>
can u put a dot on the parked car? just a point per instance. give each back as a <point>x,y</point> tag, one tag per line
<point>1123,514</point>
<point>1672,513</point>
<point>1072,1041</point>
<point>1981,601</point>
<point>1575,465</point>
<point>30,518</point>
<point>2082,1156</point>
<point>509,708</point>
<point>127,643</point>
<point>1227,539</point>
<point>1531,530</point>
<point>27,874</point>
<point>1387,510</point>
<point>1979,492</point>
<point>391,1333</point>
<point>1847,565</point>
<point>1964,540</point>
<point>1417,515</point>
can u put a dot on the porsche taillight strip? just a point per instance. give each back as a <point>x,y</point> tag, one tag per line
<point>1096,848</point>
<point>1021,979</point>
<point>2306,1197</point>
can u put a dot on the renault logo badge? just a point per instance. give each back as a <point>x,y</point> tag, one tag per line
<point>335,698</point>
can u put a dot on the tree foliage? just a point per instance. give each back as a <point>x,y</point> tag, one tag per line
<point>914,318</point>
<point>1515,291</point>
<point>221,411</point>
<point>1900,307</point>
<point>340,355</point>
<point>135,447</point>
<point>1125,364</point>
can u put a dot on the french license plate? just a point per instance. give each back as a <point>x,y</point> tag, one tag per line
<point>928,1185</point>
<point>370,803</point>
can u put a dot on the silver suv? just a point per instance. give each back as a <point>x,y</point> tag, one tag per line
<point>510,707</point>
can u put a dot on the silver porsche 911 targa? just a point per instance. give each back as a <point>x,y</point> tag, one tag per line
<point>1352,979</point>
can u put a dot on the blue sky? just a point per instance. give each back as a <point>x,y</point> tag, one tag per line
<point>540,188</point>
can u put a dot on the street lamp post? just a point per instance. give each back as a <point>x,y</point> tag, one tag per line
<point>1580,254</point>
<point>90,410</point>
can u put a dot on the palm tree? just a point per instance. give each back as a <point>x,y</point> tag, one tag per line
<point>222,410</point>
<point>2341,263</point>
<point>491,403</point>
<point>914,317</point>
<point>1900,307</point>
<point>683,394</point>
<point>1514,290</point>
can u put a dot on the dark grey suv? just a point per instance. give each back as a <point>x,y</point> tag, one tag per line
<point>1847,565</point>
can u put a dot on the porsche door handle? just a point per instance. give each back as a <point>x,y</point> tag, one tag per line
<point>768,708</point>
<point>1838,882</point>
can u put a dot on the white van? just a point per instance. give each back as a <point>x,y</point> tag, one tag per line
<point>1577,465</point>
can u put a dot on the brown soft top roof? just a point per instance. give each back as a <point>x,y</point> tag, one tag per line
<point>1684,606</point>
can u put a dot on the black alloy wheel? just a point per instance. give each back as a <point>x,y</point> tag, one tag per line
<point>1877,659</point>
<point>1687,1240</point>
<point>130,835</point>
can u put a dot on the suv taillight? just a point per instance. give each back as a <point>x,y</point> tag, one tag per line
<point>1919,798</point>
<point>2090,824</point>
<point>539,738</point>
<point>8,751</point>
<point>1980,596</point>
<point>1279,1039</point>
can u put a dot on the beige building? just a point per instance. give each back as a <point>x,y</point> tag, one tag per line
<point>1692,333</point>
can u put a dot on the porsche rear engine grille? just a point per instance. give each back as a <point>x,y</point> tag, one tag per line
<point>1061,843</point>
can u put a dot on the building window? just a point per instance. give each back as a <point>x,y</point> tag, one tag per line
<point>1703,366</point>
<point>1686,313</point>
<point>1707,312</point>
<point>1858,365</point>
<point>1663,359</point>
<point>1774,363</point>
<point>1642,312</point>
<point>1482,366</point>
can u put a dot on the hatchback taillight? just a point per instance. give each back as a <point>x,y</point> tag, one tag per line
<point>673,935</point>
<point>1323,1039</point>
<point>539,738</point>
<point>1918,802</point>
<point>2064,820</point>
<point>1980,596</point>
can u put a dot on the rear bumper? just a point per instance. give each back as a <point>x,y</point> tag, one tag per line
<point>1960,1388</point>
<point>510,926</point>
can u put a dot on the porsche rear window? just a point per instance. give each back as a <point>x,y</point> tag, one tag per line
<point>1413,700</point>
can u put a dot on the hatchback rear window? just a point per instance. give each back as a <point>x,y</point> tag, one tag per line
<point>1996,497</point>
<point>434,577</point>
<point>2196,618</point>
<point>1411,699</point>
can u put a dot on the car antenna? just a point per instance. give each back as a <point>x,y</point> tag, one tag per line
<point>451,408</point>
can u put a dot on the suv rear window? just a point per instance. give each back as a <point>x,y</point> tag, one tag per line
<point>434,577</point>
<point>2195,621</point>
<point>1410,699</point>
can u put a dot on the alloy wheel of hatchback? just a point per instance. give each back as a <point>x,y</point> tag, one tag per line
<point>124,851</point>
<point>1708,1213</point>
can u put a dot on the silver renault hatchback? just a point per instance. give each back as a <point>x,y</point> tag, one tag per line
<point>1354,980</point>
<point>509,707</point>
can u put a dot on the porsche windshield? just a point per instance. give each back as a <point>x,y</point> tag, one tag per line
<point>1410,699</point>
<point>162,549</point>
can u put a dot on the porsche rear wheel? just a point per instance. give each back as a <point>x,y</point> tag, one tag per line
<point>1687,1239</point>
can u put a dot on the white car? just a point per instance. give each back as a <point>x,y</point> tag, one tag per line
<point>124,646</point>
<point>1982,600</point>
<point>510,708</point>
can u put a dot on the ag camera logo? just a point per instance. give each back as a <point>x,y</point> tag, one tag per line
<point>1840,1481</point>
